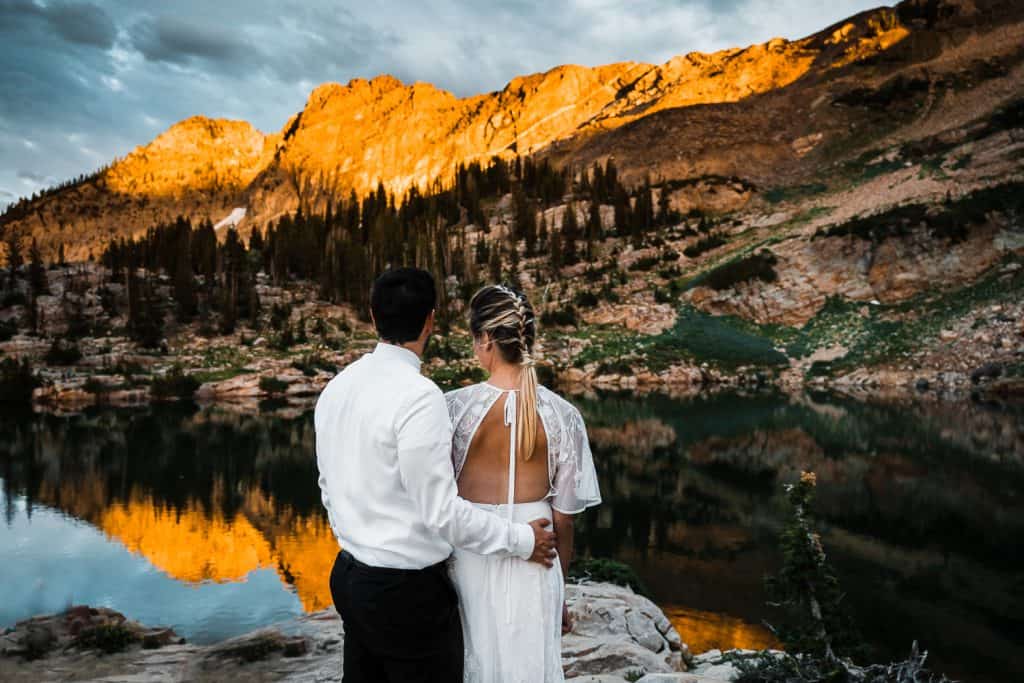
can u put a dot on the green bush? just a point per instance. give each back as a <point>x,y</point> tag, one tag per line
<point>272,385</point>
<point>63,352</point>
<point>585,299</point>
<point>950,221</point>
<point>107,638</point>
<point>280,314</point>
<point>723,340</point>
<point>174,384</point>
<point>95,385</point>
<point>563,317</point>
<point>454,376</point>
<point>712,241</point>
<point>312,363</point>
<point>645,263</point>
<point>759,266</point>
<point>663,296</point>
<point>606,571</point>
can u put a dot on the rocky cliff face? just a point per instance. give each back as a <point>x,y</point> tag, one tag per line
<point>756,112</point>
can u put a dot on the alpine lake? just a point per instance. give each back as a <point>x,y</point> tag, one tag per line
<point>208,518</point>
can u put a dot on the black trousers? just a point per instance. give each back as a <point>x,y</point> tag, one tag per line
<point>401,625</point>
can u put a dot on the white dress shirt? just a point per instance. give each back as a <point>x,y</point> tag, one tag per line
<point>383,448</point>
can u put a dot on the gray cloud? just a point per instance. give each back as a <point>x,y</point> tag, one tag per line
<point>85,82</point>
<point>35,178</point>
<point>172,39</point>
<point>83,23</point>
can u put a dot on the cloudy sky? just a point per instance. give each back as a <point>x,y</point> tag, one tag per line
<point>85,82</point>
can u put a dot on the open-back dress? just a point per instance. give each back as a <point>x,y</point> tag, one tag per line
<point>512,609</point>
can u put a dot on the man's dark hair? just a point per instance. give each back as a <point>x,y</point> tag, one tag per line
<point>401,300</point>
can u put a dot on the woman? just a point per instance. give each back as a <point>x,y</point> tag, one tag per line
<point>521,451</point>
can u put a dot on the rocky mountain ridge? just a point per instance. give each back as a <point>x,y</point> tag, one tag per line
<point>756,113</point>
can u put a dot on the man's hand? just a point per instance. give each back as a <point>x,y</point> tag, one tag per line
<point>543,543</point>
<point>566,619</point>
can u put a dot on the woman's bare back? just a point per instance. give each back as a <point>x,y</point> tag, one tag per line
<point>484,476</point>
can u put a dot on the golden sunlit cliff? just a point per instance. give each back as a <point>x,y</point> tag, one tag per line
<point>765,112</point>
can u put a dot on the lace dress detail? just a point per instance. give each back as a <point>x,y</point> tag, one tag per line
<point>512,609</point>
<point>572,478</point>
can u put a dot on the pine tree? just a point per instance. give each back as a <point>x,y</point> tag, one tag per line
<point>15,258</point>
<point>184,281</point>
<point>36,270</point>
<point>557,255</point>
<point>594,229</point>
<point>665,216</point>
<point>814,617</point>
<point>570,233</point>
<point>495,264</point>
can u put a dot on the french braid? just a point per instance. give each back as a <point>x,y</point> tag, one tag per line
<point>507,318</point>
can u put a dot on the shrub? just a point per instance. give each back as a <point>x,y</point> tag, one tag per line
<point>8,328</point>
<point>95,385</point>
<point>279,316</point>
<point>607,571</point>
<point>663,296</point>
<point>645,263</point>
<point>615,367</point>
<point>311,363</point>
<point>444,348</point>
<point>174,384</point>
<point>63,352</point>
<point>585,299</point>
<point>453,377</point>
<point>283,341</point>
<point>759,266</point>
<point>708,243</point>
<point>272,385</point>
<point>107,638</point>
<point>608,294</point>
<point>563,317</point>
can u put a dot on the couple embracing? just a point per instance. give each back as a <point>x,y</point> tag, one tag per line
<point>454,511</point>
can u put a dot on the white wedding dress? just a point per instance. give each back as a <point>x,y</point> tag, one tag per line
<point>512,609</point>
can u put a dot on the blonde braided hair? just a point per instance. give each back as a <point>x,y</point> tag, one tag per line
<point>507,317</point>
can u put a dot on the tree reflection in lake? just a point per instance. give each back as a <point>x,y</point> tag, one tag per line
<point>922,505</point>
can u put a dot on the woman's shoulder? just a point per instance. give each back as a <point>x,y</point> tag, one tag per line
<point>557,402</point>
<point>463,395</point>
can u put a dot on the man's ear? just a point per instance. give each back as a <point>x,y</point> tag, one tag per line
<point>428,325</point>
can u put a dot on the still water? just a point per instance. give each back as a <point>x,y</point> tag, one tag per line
<point>209,519</point>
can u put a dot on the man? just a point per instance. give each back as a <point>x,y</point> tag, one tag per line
<point>383,442</point>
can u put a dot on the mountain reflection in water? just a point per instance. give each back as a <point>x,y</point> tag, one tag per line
<point>210,519</point>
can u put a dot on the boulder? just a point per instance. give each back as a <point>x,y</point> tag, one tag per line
<point>616,631</point>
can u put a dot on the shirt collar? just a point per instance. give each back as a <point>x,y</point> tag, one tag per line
<point>397,353</point>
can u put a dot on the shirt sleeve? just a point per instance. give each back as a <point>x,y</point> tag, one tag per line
<point>576,486</point>
<point>321,463</point>
<point>424,435</point>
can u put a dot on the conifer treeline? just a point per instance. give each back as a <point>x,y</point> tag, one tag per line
<point>353,239</point>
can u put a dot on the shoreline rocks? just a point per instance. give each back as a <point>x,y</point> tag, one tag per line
<point>617,634</point>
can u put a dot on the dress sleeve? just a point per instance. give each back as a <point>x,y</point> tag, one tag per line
<point>458,403</point>
<point>576,486</point>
